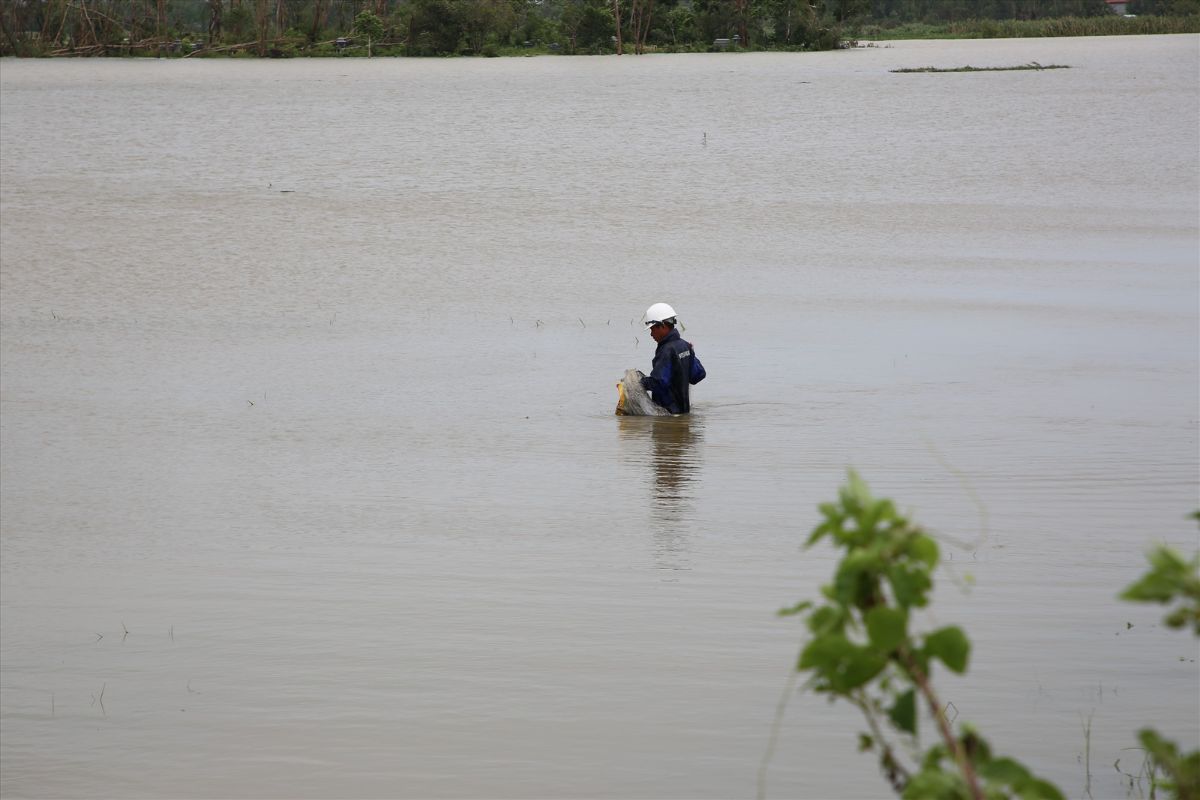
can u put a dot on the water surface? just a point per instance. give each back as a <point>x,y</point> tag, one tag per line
<point>310,481</point>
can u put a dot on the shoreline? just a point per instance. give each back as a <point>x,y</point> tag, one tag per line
<point>846,38</point>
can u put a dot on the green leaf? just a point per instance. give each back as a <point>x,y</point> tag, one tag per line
<point>1170,575</point>
<point>951,646</point>
<point>935,785</point>
<point>1154,744</point>
<point>1038,789</point>
<point>856,495</point>
<point>976,747</point>
<point>1005,770</point>
<point>865,743</point>
<point>903,712</point>
<point>859,667</point>
<point>825,619</point>
<point>856,578</point>
<point>1153,587</point>
<point>1166,560</point>
<point>843,664</point>
<point>826,653</point>
<point>886,627</point>
<point>933,758</point>
<point>796,609</point>
<point>909,586</point>
<point>925,549</point>
<point>818,533</point>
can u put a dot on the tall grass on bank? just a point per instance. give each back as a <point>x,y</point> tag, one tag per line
<point>1032,28</point>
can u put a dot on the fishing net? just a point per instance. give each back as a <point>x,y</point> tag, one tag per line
<point>633,400</point>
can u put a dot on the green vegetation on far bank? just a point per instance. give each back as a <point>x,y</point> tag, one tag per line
<point>1111,25</point>
<point>439,28</point>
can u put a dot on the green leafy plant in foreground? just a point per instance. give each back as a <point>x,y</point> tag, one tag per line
<point>1171,581</point>
<point>863,650</point>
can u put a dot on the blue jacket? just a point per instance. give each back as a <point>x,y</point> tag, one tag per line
<point>675,368</point>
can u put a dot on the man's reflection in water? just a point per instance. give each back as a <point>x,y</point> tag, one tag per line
<point>674,460</point>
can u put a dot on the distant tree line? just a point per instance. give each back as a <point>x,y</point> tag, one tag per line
<point>489,27</point>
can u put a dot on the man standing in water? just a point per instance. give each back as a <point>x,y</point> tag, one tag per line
<point>675,365</point>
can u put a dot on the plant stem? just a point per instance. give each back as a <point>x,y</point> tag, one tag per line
<point>896,774</point>
<point>935,708</point>
<point>780,708</point>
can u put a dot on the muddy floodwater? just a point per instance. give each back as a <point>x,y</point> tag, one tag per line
<point>311,485</point>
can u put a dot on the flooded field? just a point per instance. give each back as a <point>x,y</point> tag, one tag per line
<point>309,479</point>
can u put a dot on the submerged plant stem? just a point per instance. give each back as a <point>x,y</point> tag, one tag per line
<point>780,709</point>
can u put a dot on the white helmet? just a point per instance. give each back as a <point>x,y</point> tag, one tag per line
<point>659,312</point>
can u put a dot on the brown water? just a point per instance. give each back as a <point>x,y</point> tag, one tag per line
<point>308,372</point>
